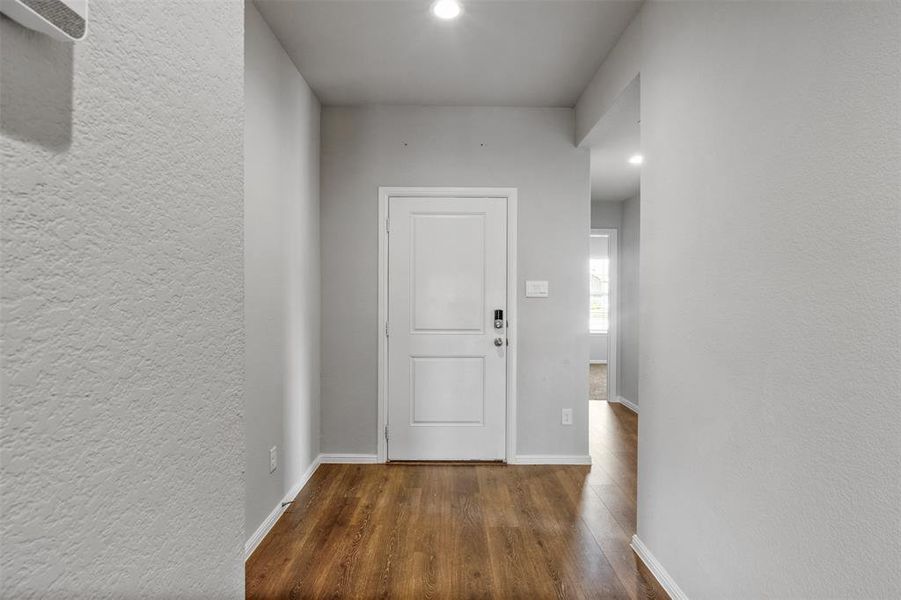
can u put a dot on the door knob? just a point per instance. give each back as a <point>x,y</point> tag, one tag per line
<point>498,341</point>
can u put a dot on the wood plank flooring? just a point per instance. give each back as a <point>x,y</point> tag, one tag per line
<point>464,531</point>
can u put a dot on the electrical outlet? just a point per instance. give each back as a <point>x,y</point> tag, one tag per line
<point>567,417</point>
<point>273,459</point>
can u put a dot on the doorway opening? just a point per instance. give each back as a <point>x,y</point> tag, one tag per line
<point>602,270</point>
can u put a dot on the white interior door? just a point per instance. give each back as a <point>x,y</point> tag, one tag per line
<point>446,360</point>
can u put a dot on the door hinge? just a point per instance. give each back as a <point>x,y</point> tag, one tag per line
<point>387,225</point>
<point>386,328</point>
<point>386,432</point>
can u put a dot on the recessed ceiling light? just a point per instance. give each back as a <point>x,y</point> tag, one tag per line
<point>636,159</point>
<point>447,9</point>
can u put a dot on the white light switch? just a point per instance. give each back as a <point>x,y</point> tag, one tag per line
<point>537,289</point>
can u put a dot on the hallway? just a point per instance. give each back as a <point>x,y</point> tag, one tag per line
<point>453,531</point>
<point>358,299</point>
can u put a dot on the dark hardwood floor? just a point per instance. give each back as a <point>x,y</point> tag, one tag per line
<point>464,531</point>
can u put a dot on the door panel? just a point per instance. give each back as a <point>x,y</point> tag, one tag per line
<point>448,390</point>
<point>448,283</point>
<point>446,377</point>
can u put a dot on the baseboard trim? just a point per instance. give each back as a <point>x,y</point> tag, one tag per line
<point>597,362</point>
<point>551,459</point>
<point>627,403</point>
<point>656,569</point>
<point>266,526</point>
<point>348,459</point>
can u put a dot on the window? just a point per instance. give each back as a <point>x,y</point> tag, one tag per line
<point>599,316</point>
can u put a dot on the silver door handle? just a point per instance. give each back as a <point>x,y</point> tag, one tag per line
<point>498,341</point>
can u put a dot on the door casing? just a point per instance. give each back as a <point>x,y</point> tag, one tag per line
<point>385,194</point>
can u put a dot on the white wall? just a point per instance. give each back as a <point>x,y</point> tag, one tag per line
<point>598,348</point>
<point>122,305</point>
<point>769,433</point>
<point>627,359</point>
<point>607,215</point>
<point>598,247</point>
<point>530,149</point>
<point>619,69</point>
<point>281,252</point>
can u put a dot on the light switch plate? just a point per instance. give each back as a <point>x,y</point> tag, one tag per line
<point>273,459</point>
<point>537,289</point>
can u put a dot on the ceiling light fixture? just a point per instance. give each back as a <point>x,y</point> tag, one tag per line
<point>447,9</point>
<point>636,159</point>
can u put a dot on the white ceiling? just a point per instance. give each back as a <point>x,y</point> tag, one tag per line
<point>615,138</point>
<point>497,53</point>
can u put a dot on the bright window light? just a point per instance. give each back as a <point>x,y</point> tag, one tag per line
<point>447,9</point>
<point>636,159</point>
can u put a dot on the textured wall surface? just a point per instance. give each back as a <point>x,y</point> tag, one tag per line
<point>530,149</point>
<point>122,312</point>
<point>770,434</point>
<point>281,250</point>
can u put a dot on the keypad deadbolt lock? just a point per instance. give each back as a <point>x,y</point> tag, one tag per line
<point>498,319</point>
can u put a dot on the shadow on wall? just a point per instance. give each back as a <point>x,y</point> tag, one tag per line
<point>35,87</point>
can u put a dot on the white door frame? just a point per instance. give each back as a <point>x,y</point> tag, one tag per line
<point>385,193</point>
<point>613,254</point>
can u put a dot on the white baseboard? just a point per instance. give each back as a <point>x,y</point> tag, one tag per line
<point>627,403</point>
<point>348,459</point>
<point>251,544</point>
<point>551,459</point>
<point>597,362</point>
<point>654,566</point>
